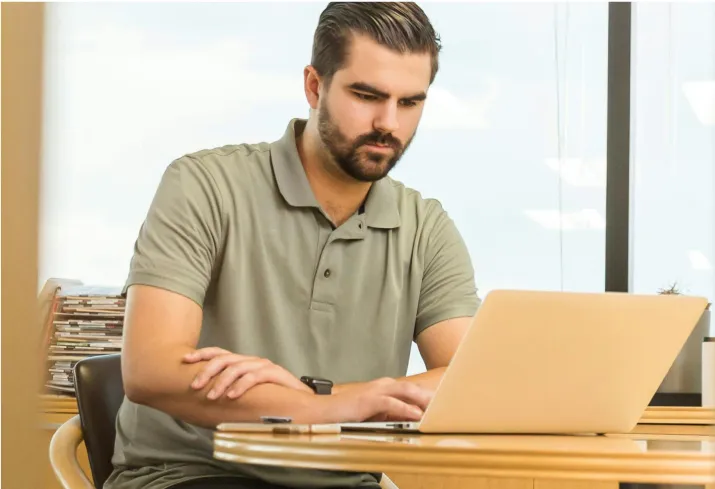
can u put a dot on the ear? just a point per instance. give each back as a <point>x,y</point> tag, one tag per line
<point>311,85</point>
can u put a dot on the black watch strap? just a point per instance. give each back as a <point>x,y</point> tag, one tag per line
<point>319,386</point>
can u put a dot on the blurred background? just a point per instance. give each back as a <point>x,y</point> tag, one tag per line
<point>573,144</point>
<point>513,140</point>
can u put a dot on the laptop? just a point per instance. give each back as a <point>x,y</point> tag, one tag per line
<point>540,362</point>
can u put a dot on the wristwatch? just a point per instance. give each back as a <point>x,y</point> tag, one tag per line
<point>319,386</point>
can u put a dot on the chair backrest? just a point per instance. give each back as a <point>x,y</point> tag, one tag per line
<point>100,392</point>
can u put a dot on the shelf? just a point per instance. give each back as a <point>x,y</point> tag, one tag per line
<point>50,403</point>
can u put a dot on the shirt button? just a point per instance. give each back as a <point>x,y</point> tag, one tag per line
<point>360,225</point>
<point>327,273</point>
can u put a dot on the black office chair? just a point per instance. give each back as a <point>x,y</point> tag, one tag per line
<point>99,391</point>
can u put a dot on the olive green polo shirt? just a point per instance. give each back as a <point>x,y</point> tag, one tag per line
<point>238,230</point>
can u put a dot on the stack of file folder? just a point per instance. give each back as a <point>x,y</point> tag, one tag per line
<point>85,321</point>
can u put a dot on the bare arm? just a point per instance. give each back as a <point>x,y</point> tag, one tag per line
<point>448,298</point>
<point>174,257</point>
<point>437,345</point>
<point>160,328</point>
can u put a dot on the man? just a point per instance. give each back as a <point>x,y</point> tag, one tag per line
<point>258,264</point>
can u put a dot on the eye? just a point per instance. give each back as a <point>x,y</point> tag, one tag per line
<point>408,103</point>
<point>365,96</point>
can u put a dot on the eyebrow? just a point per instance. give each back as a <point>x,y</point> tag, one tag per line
<point>364,87</point>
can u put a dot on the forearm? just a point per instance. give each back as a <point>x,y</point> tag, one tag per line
<point>427,380</point>
<point>169,390</point>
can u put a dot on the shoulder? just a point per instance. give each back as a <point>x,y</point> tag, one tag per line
<point>222,163</point>
<point>231,153</point>
<point>222,171</point>
<point>426,227</point>
<point>417,212</point>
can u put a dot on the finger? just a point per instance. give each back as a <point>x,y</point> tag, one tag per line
<point>212,369</point>
<point>247,381</point>
<point>397,410</point>
<point>410,393</point>
<point>273,374</point>
<point>231,374</point>
<point>204,354</point>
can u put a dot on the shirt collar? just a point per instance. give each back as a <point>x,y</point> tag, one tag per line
<point>381,209</point>
<point>289,172</point>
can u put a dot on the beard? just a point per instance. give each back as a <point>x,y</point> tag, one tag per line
<point>354,157</point>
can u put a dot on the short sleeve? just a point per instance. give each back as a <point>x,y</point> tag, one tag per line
<point>180,237</point>
<point>448,288</point>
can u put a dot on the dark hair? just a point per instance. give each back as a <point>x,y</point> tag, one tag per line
<point>400,26</point>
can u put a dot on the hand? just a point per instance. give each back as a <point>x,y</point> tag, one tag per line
<point>235,373</point>
<point>379,400</point>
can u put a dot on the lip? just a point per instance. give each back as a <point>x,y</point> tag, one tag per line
<point>372,147</point>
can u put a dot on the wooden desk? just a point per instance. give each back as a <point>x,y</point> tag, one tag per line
<point>677,421</point>
<point>659,428</point>
<point>500,461</point>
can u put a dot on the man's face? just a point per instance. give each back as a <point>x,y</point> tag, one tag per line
<point>369,113</point>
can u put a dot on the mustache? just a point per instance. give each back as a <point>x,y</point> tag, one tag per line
<point>377,138</point>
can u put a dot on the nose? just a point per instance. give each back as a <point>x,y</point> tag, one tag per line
<point>386,120</point>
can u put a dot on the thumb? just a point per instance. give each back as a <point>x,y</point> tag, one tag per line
<point>206,353</point>
<point>191,357</point>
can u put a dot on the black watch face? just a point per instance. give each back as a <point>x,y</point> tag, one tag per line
<point>323,387</point>
<point>320,386</point>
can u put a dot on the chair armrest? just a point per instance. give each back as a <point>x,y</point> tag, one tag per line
<point>63,455</point>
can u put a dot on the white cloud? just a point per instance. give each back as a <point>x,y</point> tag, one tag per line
<point>444,110</point>
<point>112,93</point>
<point>84,246</point>
<point>553,219</point>
<point>169,81</point>
<point>579,172</point>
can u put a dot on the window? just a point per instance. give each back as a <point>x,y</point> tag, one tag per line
<point>673,148</point>
<point>512,142</point>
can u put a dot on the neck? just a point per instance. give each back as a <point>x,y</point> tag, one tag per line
<point>338,194</point>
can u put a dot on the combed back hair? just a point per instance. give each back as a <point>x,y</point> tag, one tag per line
<point>400,26</point>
